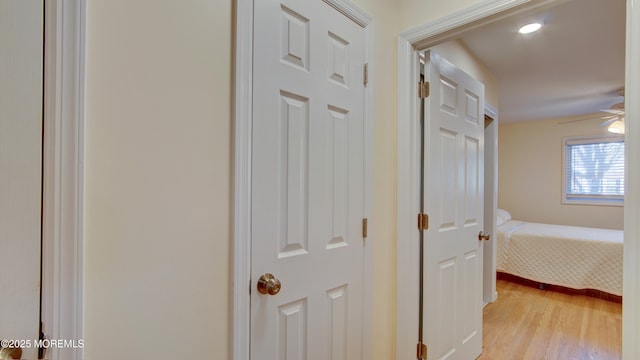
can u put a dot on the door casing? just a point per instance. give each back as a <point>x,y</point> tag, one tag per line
<point>63,175</point>
<point>489,293</point>
<point>243,114</point>
<point>448,28</point>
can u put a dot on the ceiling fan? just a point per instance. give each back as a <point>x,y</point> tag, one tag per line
<point>615,121</point>
<point>614,117</point>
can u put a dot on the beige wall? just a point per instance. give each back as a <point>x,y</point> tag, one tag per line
<point>158,176</point>
<point>158,179</point>
<point>21,73</point>
<point>383,225</point>
<point>530,174</point>
<point>418,12</point>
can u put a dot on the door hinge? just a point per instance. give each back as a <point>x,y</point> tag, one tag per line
<point>365,222</point>
<point>422,351</point>
<point>423,90</point>
<point>366,74</point>
<point>423,221</point>
<point>42,351</point>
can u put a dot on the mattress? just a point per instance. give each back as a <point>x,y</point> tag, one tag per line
<point>569,256</point>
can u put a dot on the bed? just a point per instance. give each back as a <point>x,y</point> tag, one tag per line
<point>569,256</point>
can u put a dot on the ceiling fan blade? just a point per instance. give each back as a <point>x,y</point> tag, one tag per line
<point>578,120</point>
<point>607,118</point>
<point>613,111</point>
<point>609,121</point>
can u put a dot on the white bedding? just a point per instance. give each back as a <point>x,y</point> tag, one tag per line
<point>570,256</point>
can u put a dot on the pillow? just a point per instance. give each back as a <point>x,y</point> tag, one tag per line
<point>502,216</point>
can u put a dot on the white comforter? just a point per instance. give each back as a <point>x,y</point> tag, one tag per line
<point>570,256</point>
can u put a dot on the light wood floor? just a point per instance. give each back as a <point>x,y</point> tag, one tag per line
<point>528,323</point>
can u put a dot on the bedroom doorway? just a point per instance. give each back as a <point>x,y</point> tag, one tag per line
<point>446,29</point>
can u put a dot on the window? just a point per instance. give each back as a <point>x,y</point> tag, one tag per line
<point>593,170</point>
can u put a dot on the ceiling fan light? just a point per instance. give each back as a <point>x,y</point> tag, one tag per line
<point>616,127</point>
<point>529,28</point>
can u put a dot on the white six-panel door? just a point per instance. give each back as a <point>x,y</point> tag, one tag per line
<point>454,190</point>
<point>307,181</point>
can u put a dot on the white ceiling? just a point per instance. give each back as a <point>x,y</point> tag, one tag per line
<point>573,66</point>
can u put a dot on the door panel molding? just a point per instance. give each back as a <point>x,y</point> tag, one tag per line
<point>63,199</point>
<point>447,28</point>
<point>243,112</point>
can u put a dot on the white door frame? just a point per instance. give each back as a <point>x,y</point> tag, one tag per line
<point>243,113</point>
<point>489,293</point>
<point>63,175</point>
<point>451,27</point>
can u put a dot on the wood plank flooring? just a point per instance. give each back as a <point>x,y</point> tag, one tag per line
<point>528,323</point>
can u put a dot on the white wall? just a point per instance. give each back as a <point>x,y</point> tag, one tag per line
<point>158,178</point>
<point>530,174</point>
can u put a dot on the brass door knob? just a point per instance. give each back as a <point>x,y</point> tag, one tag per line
<point>484,236</point>
<point>268,284</point>
<point>10,353</point>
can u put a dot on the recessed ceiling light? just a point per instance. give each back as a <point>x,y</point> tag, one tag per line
<point>529,28</point>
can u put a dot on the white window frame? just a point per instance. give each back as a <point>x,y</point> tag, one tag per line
<point>607,200</point>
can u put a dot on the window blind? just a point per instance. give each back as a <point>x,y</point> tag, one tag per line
<point>594,168</point>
